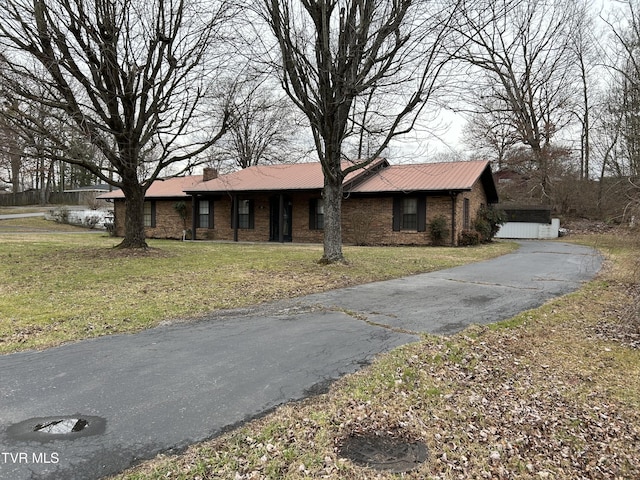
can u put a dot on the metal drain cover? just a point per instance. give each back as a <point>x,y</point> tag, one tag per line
<point>65,427</point>
<point>62,427</point>
<point>383,452</point>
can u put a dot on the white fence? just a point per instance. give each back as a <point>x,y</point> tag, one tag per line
<point>526,230</point>
<point>82,217</point>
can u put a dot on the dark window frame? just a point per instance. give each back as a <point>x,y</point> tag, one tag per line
<point>316,214</point>
<point>466,214</point>
<point>401,220</point>
<point>149,218</point>
<point>205,220</point>
<point>245,221</point>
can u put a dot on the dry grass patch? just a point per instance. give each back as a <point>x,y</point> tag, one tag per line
<point>65,287</point>
<point>543,395</point>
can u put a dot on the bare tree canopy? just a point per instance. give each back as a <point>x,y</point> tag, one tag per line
<point>265,127</point>
<point>624,102</point>
<point>520,55</point>
<point>339,59</point>
<point>132,77</point>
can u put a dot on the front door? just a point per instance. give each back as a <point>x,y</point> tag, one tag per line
<point>280,210</point>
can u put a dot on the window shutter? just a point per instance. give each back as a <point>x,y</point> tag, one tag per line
<point>210,214</point>
<point>251,215</point>
<point>153,214</point>
<point>312,214</point>
<point>422,214</point>
<point>397,213</point>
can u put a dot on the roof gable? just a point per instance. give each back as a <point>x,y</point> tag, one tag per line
<point>423,177</point>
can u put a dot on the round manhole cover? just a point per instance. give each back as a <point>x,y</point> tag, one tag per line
<point>384,452</point>
<point>63,427</point>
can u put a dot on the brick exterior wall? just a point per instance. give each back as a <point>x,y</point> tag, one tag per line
<point>366,220</point>
<point>477,198</point>
<point>168,222</point>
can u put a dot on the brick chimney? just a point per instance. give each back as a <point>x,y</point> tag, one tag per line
<point>209,173</point>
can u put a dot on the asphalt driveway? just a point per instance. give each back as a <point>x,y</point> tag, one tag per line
<point>166,388</point>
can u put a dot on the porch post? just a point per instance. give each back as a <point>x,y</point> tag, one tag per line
<point>234,214</point>
<point>281,219</point>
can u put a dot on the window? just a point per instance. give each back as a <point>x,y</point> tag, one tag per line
<point>316,214</point>
<point>245,214</point>
<point>409,213</point>
<point>205,214</point>
<point>149,214</point>
<point>466,221</point>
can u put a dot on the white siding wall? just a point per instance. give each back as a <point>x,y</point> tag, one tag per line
<point>529,230</point>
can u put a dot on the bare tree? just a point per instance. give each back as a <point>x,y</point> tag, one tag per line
<point>130,76</point>
<point>519,53</point>
<point>584,48</point>
<point>11,153</point>
<point>264,128</point>
<point>625,27</point>
<point>337,54</point>
<point>489,132</point>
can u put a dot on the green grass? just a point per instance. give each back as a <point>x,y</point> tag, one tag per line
<point>60,287</point>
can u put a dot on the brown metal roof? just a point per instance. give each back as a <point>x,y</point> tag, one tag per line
<point>297,176</point>
<point>378,177</point>
<point>424,177</point>
<point>163,188</point>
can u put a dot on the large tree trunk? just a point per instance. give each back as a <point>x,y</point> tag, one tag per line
<point>134,236</point>
<point>332,220</point>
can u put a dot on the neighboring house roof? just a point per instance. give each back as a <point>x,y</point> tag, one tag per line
<point>297,176</point>
<point>431,177</point>
<point>162,188</point>
<point>102,187</point>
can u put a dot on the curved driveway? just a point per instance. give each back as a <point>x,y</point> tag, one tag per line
<point>166,388</point>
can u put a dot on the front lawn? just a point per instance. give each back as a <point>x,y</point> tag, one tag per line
<point>59,287</point>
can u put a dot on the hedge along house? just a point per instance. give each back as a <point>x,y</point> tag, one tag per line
<point>383,204</point>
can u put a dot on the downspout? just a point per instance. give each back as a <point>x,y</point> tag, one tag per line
<point>234,220</point>
<point>454,198</point>
<point>194,205</point>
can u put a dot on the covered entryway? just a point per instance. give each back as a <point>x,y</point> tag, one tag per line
<point>280,214</point>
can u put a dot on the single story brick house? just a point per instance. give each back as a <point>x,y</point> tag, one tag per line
<point>383,204</point>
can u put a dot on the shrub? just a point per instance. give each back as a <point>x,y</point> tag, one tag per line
<point>438,229</point>
<point>91,221</point>
<point>469,237</point>
<point>61,215</point>
<point>482,227</point>
<point>361,228</point>
<point>110,227</point>
<point>488,222</point>
<point>181,210</point>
